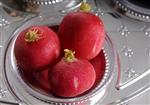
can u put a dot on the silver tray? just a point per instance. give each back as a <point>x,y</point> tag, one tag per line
<point>131,39</point>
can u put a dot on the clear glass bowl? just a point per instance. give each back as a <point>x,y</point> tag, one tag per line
<point>25,94</point>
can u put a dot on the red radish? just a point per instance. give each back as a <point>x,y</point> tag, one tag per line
<point>42,79</point>
<point>36,48</point>
<point>71,77</point>
<point>82,32</point>
<point>29,78</point>
<point>99,65</point>
<point>38,79</point>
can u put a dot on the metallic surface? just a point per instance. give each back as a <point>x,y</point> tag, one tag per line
<point>131,10</point>
<point>34,7</point>
<point>43,2</point>
<point>130,37</point>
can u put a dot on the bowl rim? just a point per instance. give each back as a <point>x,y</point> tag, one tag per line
<point>50,99</point>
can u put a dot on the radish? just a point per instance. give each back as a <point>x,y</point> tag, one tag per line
<point>42,80</point>
<point>82,32</point>
<point>37,79</point>
<point>36,48</point>
<point>71,77</point>
<point>99,65</point>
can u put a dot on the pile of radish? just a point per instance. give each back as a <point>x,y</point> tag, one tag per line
<point>66,62</point>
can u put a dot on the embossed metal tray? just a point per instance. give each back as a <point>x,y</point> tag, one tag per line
<point>26,7</point>
<point>131,39</point>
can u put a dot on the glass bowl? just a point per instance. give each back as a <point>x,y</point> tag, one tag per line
<point>23,93</point>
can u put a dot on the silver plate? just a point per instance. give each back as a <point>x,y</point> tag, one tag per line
<point>26,7</point>
<point>43,2</point>
<point>131,39</point>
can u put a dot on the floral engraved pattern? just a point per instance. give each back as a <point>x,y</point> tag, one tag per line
<point>2,92</point>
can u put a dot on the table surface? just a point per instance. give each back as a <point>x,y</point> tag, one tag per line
<point>131,39</point>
